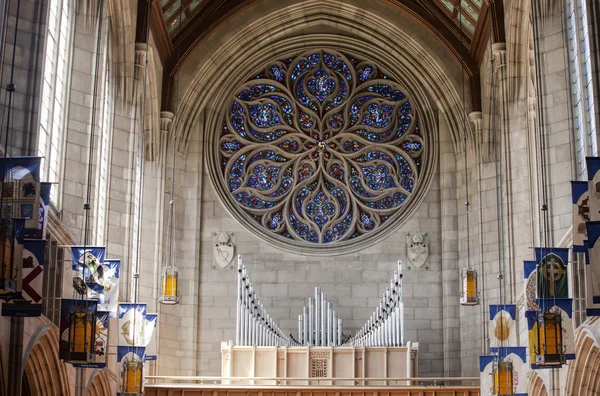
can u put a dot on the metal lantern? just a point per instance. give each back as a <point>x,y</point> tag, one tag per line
<point>550,343</point>
<point>503,379</point>
<point>81,336</point>
<point>469,294</point>
<point>132,378</point>
<point>168,289</point>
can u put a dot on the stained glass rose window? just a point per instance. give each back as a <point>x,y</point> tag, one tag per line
<point>320,149</point>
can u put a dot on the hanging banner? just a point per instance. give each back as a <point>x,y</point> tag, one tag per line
<point>68,309</point>
<point>552,273</point>
<point>131,369</point>
<point>518,357</point>
<point>11,258</point>
<point>87,269</point>
<point>34,253</point>
<point>530,275</point>
<point>150,334</point>
<point>29,302</point>
<point>581,213</point>
<point>486,379</point>
<point>43,205</point>
<point>565,307</point>
<point>503,330</point>
<point>592,270</point>
<point>101,343</point>
<point>105,287</point>
<point>593,168</point>
<point>532,334</point>
<point>132,324</point>
<point>19,168</point>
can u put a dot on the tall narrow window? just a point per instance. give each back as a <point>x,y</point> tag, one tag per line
<point>104,149</point>
<point>54,89</point>
<point>584,124</point>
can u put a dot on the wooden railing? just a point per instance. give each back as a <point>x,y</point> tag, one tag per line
<point>267,386</point>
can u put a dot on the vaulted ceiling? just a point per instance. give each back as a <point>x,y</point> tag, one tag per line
<point>463,26</point>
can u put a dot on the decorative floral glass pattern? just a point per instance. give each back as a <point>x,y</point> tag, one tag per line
<point>321,148</point>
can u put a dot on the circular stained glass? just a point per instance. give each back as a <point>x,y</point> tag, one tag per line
<point>320,149</point>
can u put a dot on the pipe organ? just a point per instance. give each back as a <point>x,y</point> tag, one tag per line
<point>321,349</point>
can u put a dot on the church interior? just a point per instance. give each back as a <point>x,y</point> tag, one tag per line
<point>299,197</point>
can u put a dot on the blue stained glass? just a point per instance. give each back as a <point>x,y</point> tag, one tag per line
<point>353,146</point>
<point>365,74</point>
<point>305,172</point>
<point>263,178</point>
<point>230,145</point>
<point>376,177</point>
<point>274,222</point>
<point>304,129</point>
<point>264,116</point>
<point>278,73</point>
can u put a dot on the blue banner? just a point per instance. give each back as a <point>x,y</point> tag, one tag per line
<point>581,212</point>
<point>43,211</point>
<point>132,324</point>
<point>125,353</point>
<point>151,321</point>
<point>34,254</point>
<point>19,168</point>
<point>106,287</point>
<point>552,274</point>
<point>86,272</point>
<point>511,309</point>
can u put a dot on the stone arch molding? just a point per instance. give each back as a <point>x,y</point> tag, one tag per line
<point>294,29</point>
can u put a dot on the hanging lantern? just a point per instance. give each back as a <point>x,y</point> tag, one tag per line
<point>469,294</point>
<point>550,343</point>
<point>132,378</point>
<point>81,335</point>
<point>503,378</point>
<point>168,280</point>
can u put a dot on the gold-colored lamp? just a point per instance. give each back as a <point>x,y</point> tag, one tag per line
<point>468,293</point>
<point>550,343</point>
<point>503,379</point>
<point>132,378</point>
<point>82,333</point>
<point>168,289</point>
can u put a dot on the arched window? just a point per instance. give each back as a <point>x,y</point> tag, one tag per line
<point>584,123</point>
<point>54,89</point>
<point>104,149</point>
<point>320,149</point>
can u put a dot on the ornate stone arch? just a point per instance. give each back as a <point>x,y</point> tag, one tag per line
<point>212,80</point>
<point>536,385</point>
<point>99,383</point>
<point>582,377</point>
<point>44,372</point>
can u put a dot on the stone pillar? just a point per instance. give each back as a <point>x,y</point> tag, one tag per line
<point>15,356</point>
<point>450,253</point>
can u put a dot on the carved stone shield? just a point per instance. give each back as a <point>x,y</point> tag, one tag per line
<point>222,250</point>
<point>417,249</point>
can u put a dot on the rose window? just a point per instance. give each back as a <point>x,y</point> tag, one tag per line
<point>320,148</point>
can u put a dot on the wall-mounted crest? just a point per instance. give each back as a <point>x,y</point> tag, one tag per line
<point>223,250</point>
<point>417,249</point>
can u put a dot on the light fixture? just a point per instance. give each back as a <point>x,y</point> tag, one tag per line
<point>469,294</point>
<point>503,378</point>
<point>132,378</point>
<point>81,334</point>
<point>550,343</point>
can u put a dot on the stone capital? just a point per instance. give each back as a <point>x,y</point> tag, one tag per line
<point>499,53</point>
<point>476,119</point>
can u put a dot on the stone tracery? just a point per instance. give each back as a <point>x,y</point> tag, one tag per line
<point>321,147</point>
